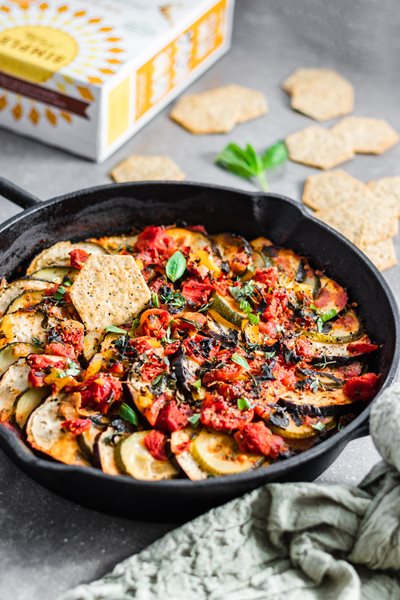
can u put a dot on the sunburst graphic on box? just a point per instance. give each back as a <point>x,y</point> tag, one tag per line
<point>54,44</point>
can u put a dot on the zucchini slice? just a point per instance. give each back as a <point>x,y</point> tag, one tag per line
<point>331,296</point>
<point>135,460</point>
<point>344,329</point>
<point>322,403</point>
<point>227,308</point>
<point>185,460</point>
<point>293,431</point>
<point>58,255</point>
<point>10,353</point>
<point>87,441</point>
<point>320,352</point>
<point>26,300</point>
<point>115,243</point>
<point>44,433</point>
<point>27,402</point>
<point>286,260</point>
<point>217,454</point>
<point>12,383</point>
<point>17,287</point>
<point>235,250</point>
<point>21,326</point>
<point>55,274</point>
<point>105,447</point>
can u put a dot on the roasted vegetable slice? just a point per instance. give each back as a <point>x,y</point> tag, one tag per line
<point>12,383</point>
<point>301,430</point>
<point>87,441</point>
<point>91,343</point>
<point>321,352</point>
<point>235,250</point>
<point>55,274</point>
<point>27,402</point>
<point>17,287</point>
<point>136,460</point>
<point>344,329</point>
<point>58,255</point>
<point>21,326</point>
<point>116,243</point>
<point>320,403</point>
<point>26,300</point>
<point>180,447</point>
<point>217,454</point>
<point>202,248</point>
<point>331,296</point>
<point>106,445</point>
<point>45,433</point>
<point>10,353</point>
<point>228,309</point>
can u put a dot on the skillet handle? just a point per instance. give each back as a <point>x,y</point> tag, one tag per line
<point>12,192</point>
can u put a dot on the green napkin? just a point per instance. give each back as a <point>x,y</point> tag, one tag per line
<point>284,541</point>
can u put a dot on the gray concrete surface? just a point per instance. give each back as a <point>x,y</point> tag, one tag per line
<point>48,544</point>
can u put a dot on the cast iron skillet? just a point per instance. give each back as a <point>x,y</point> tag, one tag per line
<point>115,209</point>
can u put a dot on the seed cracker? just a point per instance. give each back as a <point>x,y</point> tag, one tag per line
<point>304,75</point>
<point>327,190</point>
<point>318,147</point>
<point>109,290</point>
<point>323,98</point>
<point>147,168</point>
<point>387,187</point>
<point>367,135</point>
<point>382,254</point>
<point>219,110</point>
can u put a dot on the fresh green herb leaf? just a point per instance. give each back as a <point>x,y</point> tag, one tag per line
<point>243,404</point>
<point>320,324</point>
<point>318,426</point>
<point>194,420</point>
<point>37,342</point>
<point>197,384</point>
<point>270,354</point>
<point>254,319</point>
<point>174,299</point>
<point>135,324</point>
<point>128,414</point>
<point>205,307</point>
<point>59,295</point>
<point>245,305</point>
<point>114,329</point>
<point>314,386</point>
<point>154,300</point>
<point>176,266</point>
<point>158,379</point>
<point>67,281</point>
<point>330,314</point>
<point>240,360</point>
<point>275,155</point>
<point>72,370</point>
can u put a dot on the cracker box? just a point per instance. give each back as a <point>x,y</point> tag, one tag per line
<point>85,75</point>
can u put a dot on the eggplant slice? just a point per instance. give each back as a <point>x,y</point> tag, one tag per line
<point>322,403</point>
<point>22,326</point>
<point>27,402</point>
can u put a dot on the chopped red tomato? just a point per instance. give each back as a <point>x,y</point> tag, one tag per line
<point>60,349</point>
<point>190,321</point>
<point>269,277</point>
<point>154,322</point>
<point>240,261</point>
<point>155,444</point>
<point>142,344</point>
<point>362,347</point>
<point>200,228</point>
<point>201,348</point>
<point>100,391</point>
<point>227,373</point>
<point>333,292</point>
<point>352,370</point>
<point>156,239</point>
<point>40,362</point>
<point>285,373</point>
<point>257,438</point>
<point>361,388</point>
<point>78,258</point>
<point>172,348</point>
<point>72,332</point>
<point>173,416</point>
<point>277,303</point>
<point>196,292</point>
<point>218,414</point>
<point>117,368</point>
<point>76,426</point>
<point>153,366</point>
<point>36,378</point>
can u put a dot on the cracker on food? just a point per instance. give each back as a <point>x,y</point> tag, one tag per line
<point>109,290</point>
<point>387,187</point>
<point>147,168</point>
<point>326,190</point>
<point>323,98</point>
<point>367,135</point>
<point>318,147</point>
<point>219,110</point>
<point>304,75</point>
<point>382,254</point>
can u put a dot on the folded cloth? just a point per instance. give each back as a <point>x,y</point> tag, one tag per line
<point>284,541</point>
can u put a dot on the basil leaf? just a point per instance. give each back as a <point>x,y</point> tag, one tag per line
<point>254,319</point>
<point>59,295</point>
<point>274,155</point>
<point>194,420</point>
<point>318,426</point>
<point>233,158</point>
<point>240,360</point>
<point>113,329</point>
<point>176,266</point>
<point>128,414</point>
<point>243,404</point>
<point>197,384</point>
<point>72,371</point>
<point>330,314</point>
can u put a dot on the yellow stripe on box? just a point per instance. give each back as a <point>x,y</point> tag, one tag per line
<point>118,110</point>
